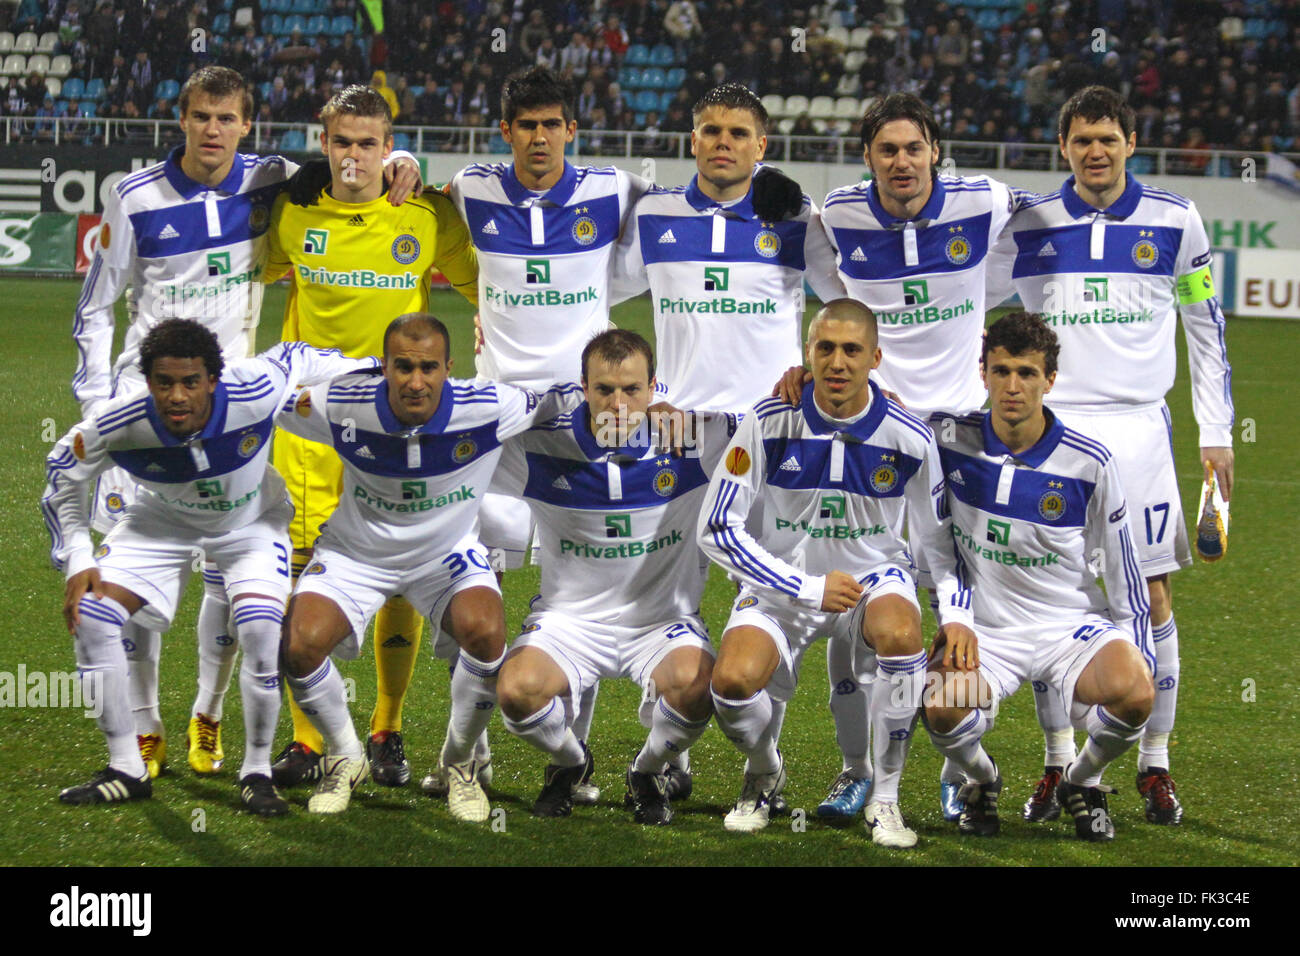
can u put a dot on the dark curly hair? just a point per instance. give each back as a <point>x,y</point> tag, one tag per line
<point>734,96</point>
<point>181,338</point>
<point>536,89</point>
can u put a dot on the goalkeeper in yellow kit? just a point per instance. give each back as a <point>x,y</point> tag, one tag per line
<point>356,262</point>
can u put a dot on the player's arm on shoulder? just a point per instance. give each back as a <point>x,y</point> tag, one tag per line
<point>402,173</point>
<point>511,475</point>
<point>455,255</point>
<point>822,270</point>
<point>305,413</point>
<point>302,364</point>
<point>92,326</point>
<point>627,269</point>
<point>277,256</point>
<point>522,408</point>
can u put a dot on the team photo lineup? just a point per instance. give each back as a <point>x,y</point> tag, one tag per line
<point>940,437</point>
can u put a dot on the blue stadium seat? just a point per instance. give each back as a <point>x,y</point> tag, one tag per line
<point>167,89</point>
<point>645,100</point>
<point>94,89</point>
<point>401,141</point>
<point>317,24</point>
<point>295,22</point>
<point>278,6</point>
<point>74,88</point>
<point>60,106</point>
<point>629,78</point>
<point>341,25</point>
<point>294,139</point>
<point>274,24</point>
<point>264,91</point>
<point>654,78</point>
<point>666,99</point>
<point>305,7</point>
<point>676,77</point>
<point>1141,165</point>
<point>639,119</point>
<point>498,146</point>
<point>663,55</point>
<point>88,110</point>
<point>221,23</point>
<point>638,54</point>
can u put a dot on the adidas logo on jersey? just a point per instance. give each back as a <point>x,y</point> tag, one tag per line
<point>1047,250</point>
<point>562,483</point>
<point>365,452</point>
<point>791,464</point>
<point>668,236</point>
<point>168,232</point>
<point>955,477</point>
<point>858,255</point>
<point>491,228</point>
<point>356,220</point>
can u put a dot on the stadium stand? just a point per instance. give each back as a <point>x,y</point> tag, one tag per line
<point>1201,75</point>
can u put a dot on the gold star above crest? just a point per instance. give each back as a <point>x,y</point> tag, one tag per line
<point>1056,484</point>
<point>662,462</point>
<point>888,457</point>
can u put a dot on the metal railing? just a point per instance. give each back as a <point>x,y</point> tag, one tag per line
<point>628,144</point>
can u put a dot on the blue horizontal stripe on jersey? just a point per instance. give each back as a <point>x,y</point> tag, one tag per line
<point>440,454</point>
<point>978,488</point>
<point>1072,245</point>
<point>870,470</point>
<point>643,481</point>
<point>173,464</point>
<point>513,235</point>
<point>693,241</point>
<point>190,223</point>
<point>935,249</point>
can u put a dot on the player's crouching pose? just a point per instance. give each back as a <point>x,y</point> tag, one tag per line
<point>832,475</point>
<point>1037,509</point>
<point>418,452</point>
<point>196,443</point>
<point>621,576</point>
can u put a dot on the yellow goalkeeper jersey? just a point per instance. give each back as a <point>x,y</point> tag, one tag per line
<point>357,266</point>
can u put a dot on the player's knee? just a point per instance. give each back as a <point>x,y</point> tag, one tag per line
<point>482,636</point>
<point>736,679</point>
<point>1137,703</point>
<point>687,690</point>
<point>896,640</point>
<point>302,651</point>
<point>520,692</point>
<point>944,720</point>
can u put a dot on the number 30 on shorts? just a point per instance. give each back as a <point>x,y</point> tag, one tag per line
<point>460,562</point>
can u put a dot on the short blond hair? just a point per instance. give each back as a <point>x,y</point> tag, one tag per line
<point>358,100</point>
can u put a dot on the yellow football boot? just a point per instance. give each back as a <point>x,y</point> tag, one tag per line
<point>153,751</point>
<point>204,735</point>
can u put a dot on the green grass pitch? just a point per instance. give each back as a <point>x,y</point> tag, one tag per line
<point>1234,753</point>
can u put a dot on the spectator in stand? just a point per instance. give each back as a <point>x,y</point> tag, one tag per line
<point>43,129</point>
<point>547,55</point>
<point>682,22</point>
<point>531,36</point>
<point>576,57</point>
<point>142,73</point>
<point>643,21</point>
<point>75,129</point>
<point>587,101</point>
<point>614,38</point>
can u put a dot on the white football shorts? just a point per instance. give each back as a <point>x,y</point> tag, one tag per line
<point>793,628</point>
<point>360,589</point>
<point>145,554</point>
<point>1141,439</point>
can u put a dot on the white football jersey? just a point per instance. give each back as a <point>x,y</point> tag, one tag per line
<point>1033,531</point>
<point>616,525</point>
<point>214,481</point>
<point>834,497</point>
<point>924,279</point>
<point>1109,282</point>
<point>410,493</point>
<point>188,251</point>
<point>726,290</point>
<point>544,265</point>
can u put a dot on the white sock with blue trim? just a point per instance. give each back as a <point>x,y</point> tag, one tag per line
<point>895,697</point>
<point>1153,751</point>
